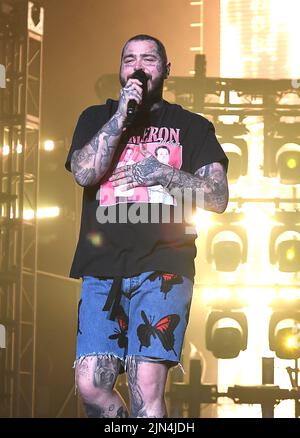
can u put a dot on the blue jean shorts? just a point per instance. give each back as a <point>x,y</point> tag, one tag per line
<point>150,319</point>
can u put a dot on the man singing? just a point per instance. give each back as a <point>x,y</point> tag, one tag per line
<point>137,275</point>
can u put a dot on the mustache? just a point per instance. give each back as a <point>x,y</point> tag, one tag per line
<point>147,76</point>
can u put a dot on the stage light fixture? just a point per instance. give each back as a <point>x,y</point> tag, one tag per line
<point>226,342</point>
<point>288,163</point>
<point>235,148</point>
<point>285,341</point>
<point>285,248</point>
<point>227,247</point>
<point>282,150</point>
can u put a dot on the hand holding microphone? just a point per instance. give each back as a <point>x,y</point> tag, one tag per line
<point>133,93</point>
<point>132,104</point>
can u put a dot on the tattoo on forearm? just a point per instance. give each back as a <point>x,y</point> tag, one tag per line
<point>112,127</point>
<point>95,143</point>
<point>92,161</point>
<point>210,179</point>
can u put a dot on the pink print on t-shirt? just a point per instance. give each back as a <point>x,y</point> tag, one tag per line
<point>169,154</point>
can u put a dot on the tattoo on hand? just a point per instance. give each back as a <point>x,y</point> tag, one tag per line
<point>146,170</point>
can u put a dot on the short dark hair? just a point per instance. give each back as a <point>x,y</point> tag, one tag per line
<point>161,147</point>
<point>143,37</point>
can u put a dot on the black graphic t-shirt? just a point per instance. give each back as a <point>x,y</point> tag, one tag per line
<point>123,231</point>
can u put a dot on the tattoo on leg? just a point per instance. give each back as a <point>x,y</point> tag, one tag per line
<point>82,368</point>
<point>139,399</point>
<point>138,403</point>
<point>106,372</point>
<point>93,411</point>
<point>103,370</point>
<point>122,413</point>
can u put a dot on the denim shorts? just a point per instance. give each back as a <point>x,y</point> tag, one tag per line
<point>151,317</point>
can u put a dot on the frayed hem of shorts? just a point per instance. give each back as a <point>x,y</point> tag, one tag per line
<point>81,358</point>
<point>153,360</point>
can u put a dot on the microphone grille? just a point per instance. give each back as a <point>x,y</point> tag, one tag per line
<point>140,75</point>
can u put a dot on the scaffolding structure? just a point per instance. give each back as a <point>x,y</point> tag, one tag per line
<point>21,43</point>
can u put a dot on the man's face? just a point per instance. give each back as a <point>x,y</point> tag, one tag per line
<point>143,55</point>
<point>163,155</point>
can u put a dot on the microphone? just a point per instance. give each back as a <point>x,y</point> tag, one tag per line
<point>132,104</point>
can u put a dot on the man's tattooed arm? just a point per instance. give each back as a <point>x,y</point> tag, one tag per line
<point>90,163</point>
<point>210,179</point>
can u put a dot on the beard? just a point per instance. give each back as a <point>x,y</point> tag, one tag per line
<point>150,96</point>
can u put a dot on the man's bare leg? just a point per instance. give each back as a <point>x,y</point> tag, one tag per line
<point>147,381</point>
<point>95,378</point>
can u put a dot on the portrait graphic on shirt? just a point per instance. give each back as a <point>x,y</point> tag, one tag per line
<point>164,144</point>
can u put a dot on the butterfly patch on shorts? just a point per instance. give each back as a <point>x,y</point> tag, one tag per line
<point>121,334</point>
<point>163,329</point>
<point>167,281</point>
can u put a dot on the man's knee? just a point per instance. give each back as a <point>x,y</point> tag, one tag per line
<point>96,376</point>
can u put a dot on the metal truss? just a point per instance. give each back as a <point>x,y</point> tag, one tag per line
<point>21,41</point>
